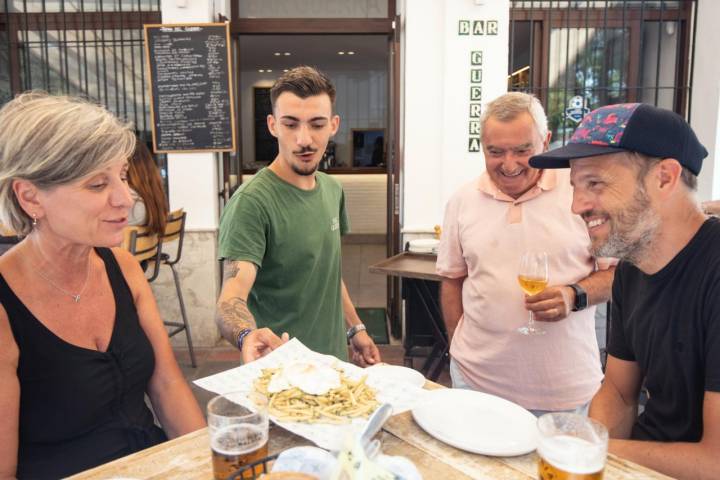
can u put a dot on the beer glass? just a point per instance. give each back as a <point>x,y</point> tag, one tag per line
<point>571,447</point>
<point>533,278</point>
<point>238,426</point>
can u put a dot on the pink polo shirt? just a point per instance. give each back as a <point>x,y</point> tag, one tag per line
<point>484,234</point>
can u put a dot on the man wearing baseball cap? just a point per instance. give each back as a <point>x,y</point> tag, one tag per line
<point>634,168</point>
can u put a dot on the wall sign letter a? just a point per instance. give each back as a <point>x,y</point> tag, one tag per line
<point>478,27</point>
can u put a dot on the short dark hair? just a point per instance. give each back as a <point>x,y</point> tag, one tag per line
<point>304,82</point>
<point>645,162</point>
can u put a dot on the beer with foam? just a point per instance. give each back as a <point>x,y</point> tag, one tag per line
<point>237,446</point>
<point>571,447</point>
<point>565,457</point>
<point>238,426</point>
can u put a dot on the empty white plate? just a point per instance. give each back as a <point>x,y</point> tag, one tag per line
<point>395,374</point>
<point>477,422</point>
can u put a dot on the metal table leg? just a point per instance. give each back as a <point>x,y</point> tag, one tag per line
<point>440,350</point>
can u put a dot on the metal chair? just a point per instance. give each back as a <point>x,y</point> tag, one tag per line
<point>147,249</point>
<point>145,246</point>
<point>175,230</point>
<point>8,239</point>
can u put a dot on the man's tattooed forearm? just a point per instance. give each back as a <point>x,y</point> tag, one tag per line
<point>232,317</point>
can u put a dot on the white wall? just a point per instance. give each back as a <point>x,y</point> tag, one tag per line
<point>705,114</point>
<point>436,99</point>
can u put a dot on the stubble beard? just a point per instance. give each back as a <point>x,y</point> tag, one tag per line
<point>633,231</point>
<point>302,168</point>
<point>305,172</point>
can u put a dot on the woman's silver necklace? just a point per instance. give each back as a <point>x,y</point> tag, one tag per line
<point>74,296</point>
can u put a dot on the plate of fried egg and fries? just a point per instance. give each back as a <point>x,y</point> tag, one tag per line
<point>313,395</point>
<point>311,392</point>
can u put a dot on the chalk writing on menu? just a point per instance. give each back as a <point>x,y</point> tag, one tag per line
<point>191,79</point>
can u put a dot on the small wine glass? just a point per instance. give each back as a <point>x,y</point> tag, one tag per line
<point>533,278</point>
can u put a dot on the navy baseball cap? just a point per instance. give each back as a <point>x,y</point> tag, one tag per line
<point>632,127</point>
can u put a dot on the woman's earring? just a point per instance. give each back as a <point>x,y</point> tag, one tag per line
<point>34,220</point>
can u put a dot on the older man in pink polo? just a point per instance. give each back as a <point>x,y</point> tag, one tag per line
<point>489,223</point>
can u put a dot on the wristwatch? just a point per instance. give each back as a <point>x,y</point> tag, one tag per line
<point>581,301</point>
<point>352,331</point>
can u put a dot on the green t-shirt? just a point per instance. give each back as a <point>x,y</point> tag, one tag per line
<point>293,236</point>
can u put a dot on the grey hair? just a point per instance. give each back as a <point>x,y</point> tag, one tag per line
<point>54,140</point>
<point>509,106</point>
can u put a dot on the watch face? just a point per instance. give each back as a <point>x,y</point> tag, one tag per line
<point>580,297</point>
<point>581,301</point>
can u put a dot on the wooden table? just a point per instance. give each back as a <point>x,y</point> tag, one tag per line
<point>417,272</point>
<point>408,265</point>
<point>188,457</point>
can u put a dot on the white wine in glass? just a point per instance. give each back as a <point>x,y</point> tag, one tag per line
<point>533,278</point>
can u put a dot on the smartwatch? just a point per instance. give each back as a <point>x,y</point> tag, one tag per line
<point>581,301</point>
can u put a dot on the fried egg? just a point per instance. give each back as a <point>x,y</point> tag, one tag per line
<point>310,377</point>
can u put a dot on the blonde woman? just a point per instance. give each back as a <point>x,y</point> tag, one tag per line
<point>81,339</point>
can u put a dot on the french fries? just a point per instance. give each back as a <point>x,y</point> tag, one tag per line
<point>352,399</point>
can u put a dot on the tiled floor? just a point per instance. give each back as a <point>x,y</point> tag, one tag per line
<point>214,360</point>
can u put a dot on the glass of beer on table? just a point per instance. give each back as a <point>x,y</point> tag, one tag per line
<point>238,426</point>
<point>571,447</point>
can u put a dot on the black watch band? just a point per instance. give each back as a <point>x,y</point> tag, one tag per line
<point>581,300</point>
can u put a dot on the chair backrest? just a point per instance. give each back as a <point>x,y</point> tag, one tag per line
<point>8,238</point>
<point>6,231</point>
<point>175,230</point>
<point>145,247</point>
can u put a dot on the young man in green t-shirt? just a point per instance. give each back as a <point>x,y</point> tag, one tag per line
<point>280,237</point>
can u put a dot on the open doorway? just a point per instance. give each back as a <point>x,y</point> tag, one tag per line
<point>359,66</point>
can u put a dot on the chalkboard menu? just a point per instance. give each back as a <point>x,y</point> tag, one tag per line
<point>192,103</point>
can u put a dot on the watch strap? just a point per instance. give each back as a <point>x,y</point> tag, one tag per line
<point>352,331</point>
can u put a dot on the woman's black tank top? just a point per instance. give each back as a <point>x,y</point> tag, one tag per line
<point>80,408</point>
